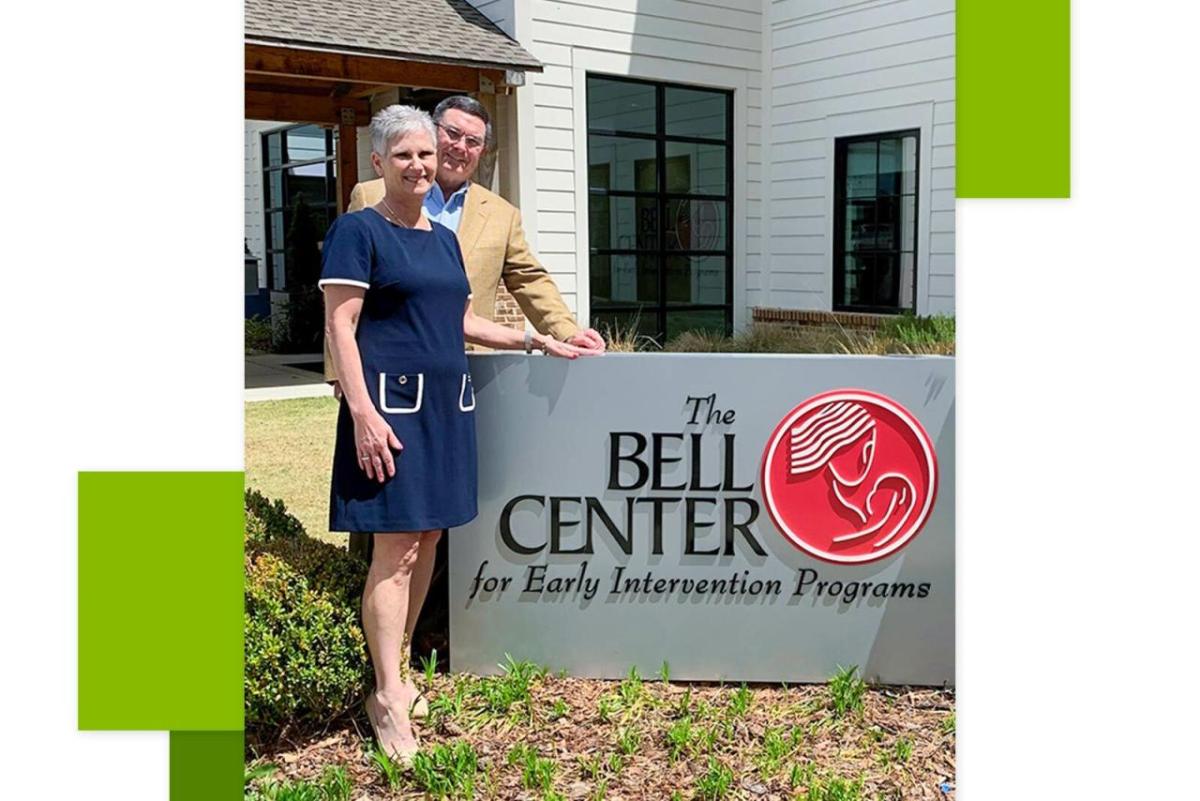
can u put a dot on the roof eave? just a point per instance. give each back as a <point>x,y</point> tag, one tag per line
<point>323,47</point>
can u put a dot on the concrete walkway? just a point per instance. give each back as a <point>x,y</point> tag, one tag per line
<point>274,376</point>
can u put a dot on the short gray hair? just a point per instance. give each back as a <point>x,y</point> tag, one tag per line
<point>395,121</point>
<point>467,105</point>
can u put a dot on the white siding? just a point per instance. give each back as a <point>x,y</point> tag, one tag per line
<point>254,193</point>
<point>840,68</point>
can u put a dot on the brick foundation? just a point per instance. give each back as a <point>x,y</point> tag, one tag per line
<point>507,311</point>
<point>821,319</point>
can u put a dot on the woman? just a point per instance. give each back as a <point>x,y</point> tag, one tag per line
<point>397,312</point>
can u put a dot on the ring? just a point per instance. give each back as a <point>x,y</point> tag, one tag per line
<point>364,458</point>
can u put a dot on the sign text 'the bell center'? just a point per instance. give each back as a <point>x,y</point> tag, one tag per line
<point>646,475</point>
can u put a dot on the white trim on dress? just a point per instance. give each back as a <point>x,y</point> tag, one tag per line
<point>392,410</point>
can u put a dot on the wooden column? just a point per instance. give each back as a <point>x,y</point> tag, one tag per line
<point>347,156</point>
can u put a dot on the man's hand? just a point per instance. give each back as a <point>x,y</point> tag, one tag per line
<point>589,340</point>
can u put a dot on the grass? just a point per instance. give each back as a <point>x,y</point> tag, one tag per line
<point>680,738</point>
<point>715,783</point>
<point>904,334</point>
<point>846,691</point>
<point>289,453</point>
<point>834,789</point>
<point>334,785</point>
<point>447,771</point>
<point>739,702</point>
<point>392,773</point>
<point>537,772</point>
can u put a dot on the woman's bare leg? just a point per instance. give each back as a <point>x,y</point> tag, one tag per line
<point>385,610</point>
<point>422,575</point>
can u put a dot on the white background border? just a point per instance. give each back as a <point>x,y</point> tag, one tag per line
<point>1076,536</point>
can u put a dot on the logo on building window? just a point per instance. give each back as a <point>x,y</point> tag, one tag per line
<point>849,476</point>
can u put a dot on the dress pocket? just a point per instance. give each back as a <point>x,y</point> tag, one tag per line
<point>466,395</point>
<point>401,393</point>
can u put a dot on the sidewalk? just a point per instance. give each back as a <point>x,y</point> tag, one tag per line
<point>273,376</point>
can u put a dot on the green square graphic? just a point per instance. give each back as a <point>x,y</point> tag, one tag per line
<point>206,765</point>
<point>160,601</point>
<point>1013,84</point>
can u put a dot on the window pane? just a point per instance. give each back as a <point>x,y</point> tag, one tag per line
<point>305,143</point>
<point>696,279</point>
<point>620,106</point>
<point>860,225</point>
<point>695,225</point>
<point>889,167</point>
<point>321,216</point>
<point>860,169</point>
<point>274,188</point>
<point>308,180</point>
<point>887,223</point>
<point>907,274</point>
<point>623,223</point>
<point>277,229</point>
<point>908,223</point>
<point>908,179</point>
<point>621,163</point>
<point>886,280</point>
<point>624,279</point>
<point>872,280</point>
<point>274,149</point>
<point>711,321</point>
<point>692,112</point>
<point>278,271</point>
<point>695,169</point>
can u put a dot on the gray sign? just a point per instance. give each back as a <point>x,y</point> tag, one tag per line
<point>623,517</point>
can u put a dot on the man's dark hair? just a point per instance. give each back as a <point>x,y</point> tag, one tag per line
<point>467,105</point>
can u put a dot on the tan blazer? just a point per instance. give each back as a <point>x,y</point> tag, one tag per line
<point>494,249</point>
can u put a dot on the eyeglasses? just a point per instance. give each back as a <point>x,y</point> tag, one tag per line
<point>473,142</point>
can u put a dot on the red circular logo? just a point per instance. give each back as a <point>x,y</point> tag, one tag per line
<point>849,476</point>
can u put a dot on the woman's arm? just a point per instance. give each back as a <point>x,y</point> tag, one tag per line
<point>481,331</point>
<point>373,437</point>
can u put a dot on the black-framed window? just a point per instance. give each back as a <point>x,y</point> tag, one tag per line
<point>875,223</point>
<point>300,160</point>
<point>660,206</point>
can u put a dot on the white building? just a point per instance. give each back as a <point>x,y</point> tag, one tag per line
<point>678,163</point>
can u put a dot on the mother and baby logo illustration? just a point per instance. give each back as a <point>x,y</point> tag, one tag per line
<point>849,476</point>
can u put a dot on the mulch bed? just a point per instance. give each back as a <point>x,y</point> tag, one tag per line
<point>901,746</point>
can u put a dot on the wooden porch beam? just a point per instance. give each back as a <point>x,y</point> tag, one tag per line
<point>319,65</point>
<point>294,107</point>
<point>347,159</point>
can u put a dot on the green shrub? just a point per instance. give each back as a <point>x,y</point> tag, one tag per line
<point>267,521</point>
<point>258,335</point>
<point>306,660</point>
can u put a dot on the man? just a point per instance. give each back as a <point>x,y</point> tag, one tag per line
<point>488,228</point>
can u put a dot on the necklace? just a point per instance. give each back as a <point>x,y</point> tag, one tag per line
<point>394,217</point>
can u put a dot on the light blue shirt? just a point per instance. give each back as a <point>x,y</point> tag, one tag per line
<point>447,211</point>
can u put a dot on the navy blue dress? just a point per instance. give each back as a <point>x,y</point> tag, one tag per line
<point>410,336</point>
